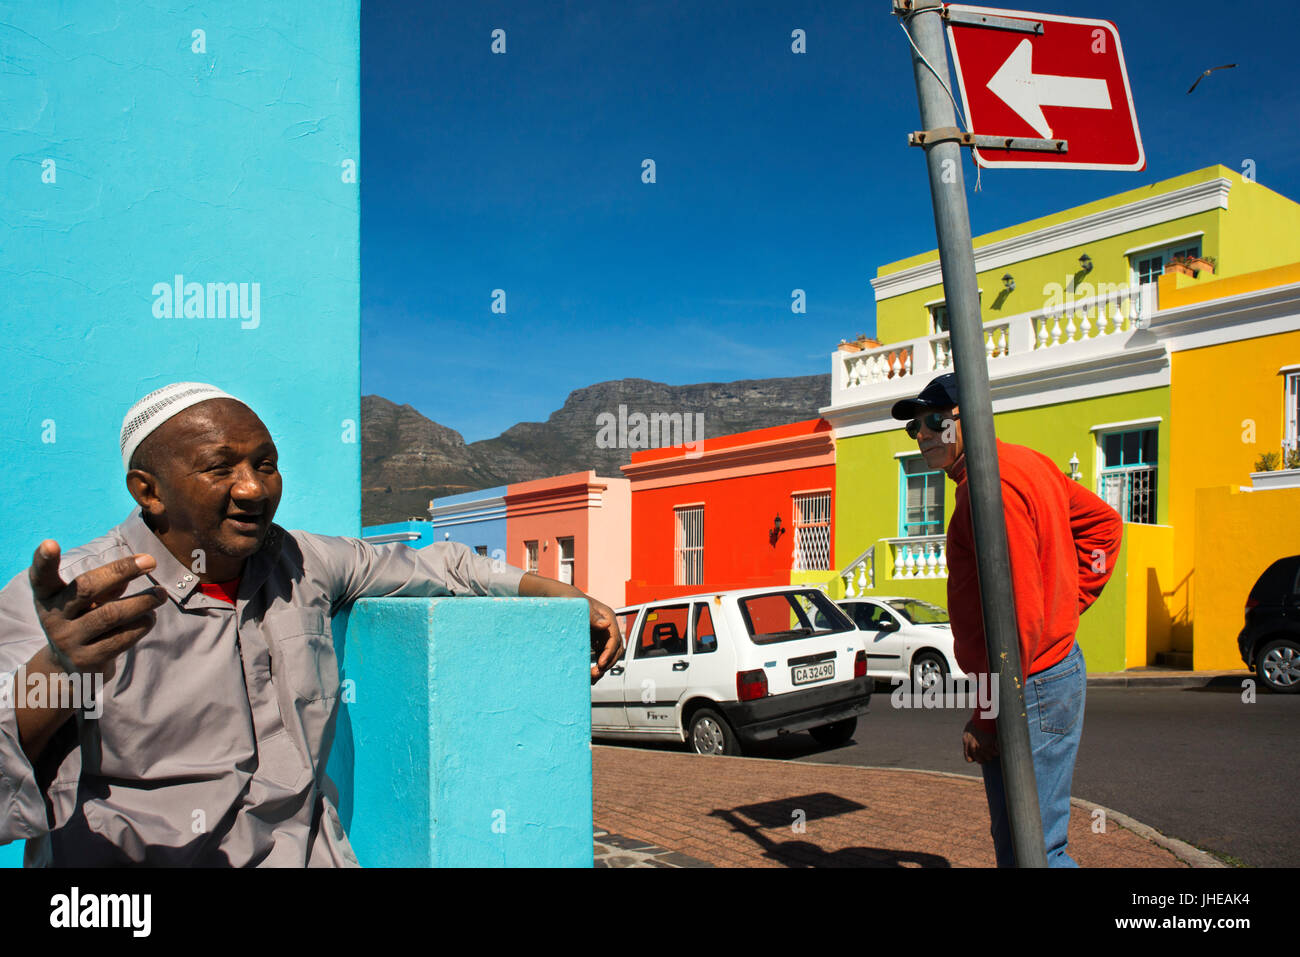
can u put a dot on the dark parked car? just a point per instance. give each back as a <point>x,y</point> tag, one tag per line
<point>1270,642</point>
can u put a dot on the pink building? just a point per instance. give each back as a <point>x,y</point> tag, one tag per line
<point>574,528</point>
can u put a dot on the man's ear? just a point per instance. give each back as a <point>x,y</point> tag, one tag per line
<point>143,487</point>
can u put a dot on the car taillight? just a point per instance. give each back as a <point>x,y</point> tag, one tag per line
<point>751,685</point>
<point>860,665</point>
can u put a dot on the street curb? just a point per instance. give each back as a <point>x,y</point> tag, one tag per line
<point>1189,855</point>
<point>1192,856</point>
<point>1160,681</point>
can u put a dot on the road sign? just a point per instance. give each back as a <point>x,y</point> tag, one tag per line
<point>1066,81</point>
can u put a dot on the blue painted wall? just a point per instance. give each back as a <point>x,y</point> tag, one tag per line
<point>474,519</point>
<point>463,776</point>
<point>133,151</point>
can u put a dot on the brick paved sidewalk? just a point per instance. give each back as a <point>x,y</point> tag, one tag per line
<point>742,812</point>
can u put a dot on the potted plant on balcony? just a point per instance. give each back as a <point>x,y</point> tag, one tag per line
<point>1189,265</point>
<point>1277,471</point>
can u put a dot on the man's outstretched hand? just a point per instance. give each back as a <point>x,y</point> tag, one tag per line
<point>87,622</point>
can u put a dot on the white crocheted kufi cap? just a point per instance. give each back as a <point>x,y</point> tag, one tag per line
<point>159,406</point>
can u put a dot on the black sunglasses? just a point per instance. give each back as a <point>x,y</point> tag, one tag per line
<point>934,421</point>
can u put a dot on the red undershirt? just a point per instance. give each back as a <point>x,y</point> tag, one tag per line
<point>223,591</point>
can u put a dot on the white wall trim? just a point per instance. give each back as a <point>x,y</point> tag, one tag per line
<point>1287,370</point>
<point>1247,315</point>
<point>1171,241</point>
<point>1196,198</point>
<point>1129,423</point>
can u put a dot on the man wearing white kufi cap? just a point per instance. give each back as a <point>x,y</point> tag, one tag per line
<point>209,629</point>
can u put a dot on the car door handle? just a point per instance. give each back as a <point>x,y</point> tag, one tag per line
<point>616,670</point>
<point>681,665</point>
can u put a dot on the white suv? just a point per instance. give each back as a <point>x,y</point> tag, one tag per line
<point>724,670</point>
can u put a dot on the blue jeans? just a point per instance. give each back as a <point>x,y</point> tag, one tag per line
<point>1054,709</point>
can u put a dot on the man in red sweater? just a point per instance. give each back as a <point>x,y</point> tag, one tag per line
<point>1063,541</point>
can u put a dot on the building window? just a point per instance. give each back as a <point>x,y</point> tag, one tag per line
<point>1149,265</point>
<point>1128,473</point>
<point>480,550</point>
<point>920,498</point>
<point>688,551</point>
<point>566,560</point>
<point>812,532</point>
<point>530,557</point>
<point>938,319</point>
<point>1292,410</point>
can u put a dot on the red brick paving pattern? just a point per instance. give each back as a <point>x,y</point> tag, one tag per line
<point>740,812</point>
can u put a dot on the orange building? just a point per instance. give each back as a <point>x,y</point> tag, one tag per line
<point>738,511</point>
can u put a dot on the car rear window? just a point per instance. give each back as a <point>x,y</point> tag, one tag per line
<point>1279,578</point>
<point>789,616</point>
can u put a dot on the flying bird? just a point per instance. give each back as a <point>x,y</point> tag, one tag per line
<point>1226,66</point>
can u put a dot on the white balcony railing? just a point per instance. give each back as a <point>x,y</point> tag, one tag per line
<point>859,575</point>
<point>1094,324</point>
<point>925,556</point>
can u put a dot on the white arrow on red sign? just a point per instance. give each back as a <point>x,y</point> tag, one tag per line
<point>1079,93</point>
<point>1027,92</point>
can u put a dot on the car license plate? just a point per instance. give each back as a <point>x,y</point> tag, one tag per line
<point>807,674</point>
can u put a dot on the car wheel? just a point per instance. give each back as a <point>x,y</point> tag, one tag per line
<point>927,668</point>
<point>1278,665</point>
<point>836,733</point>
<point>710,734</point>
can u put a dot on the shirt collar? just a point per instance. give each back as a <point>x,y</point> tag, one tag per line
<point>180,582</point>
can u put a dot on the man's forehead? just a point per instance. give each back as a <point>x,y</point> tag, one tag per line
<point>215,422</point>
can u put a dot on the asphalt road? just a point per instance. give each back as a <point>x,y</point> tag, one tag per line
<point>1200,765</point>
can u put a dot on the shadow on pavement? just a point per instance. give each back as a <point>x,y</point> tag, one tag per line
<point>798,853</point>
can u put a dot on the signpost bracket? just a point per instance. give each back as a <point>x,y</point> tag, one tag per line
<point>951,134</point>
<point>969,18</point>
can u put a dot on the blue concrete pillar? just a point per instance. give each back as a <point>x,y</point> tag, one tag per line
<point>464,736</point>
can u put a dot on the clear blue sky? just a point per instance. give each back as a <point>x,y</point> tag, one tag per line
<point>775,171</point>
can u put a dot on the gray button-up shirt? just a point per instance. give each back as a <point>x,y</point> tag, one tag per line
<point>211,746</point>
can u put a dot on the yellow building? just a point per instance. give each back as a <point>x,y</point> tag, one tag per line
<point>1234,346</point>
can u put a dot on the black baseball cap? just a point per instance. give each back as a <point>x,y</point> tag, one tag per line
<point>939,395</point>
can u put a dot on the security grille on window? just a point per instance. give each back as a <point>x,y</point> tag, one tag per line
<point>1292,410</point>
<point>812,532</point>
<point>530,556</point>
<point>566,560</point>
<point>1128,474</point>
<point>689,547</point>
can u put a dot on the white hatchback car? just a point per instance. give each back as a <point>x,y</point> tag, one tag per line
<point>906,637</point>
<point>724,670</point>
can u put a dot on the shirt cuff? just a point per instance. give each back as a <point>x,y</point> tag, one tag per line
<point>22,809</point>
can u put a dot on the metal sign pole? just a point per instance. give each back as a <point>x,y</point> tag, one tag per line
<point>924,23</point>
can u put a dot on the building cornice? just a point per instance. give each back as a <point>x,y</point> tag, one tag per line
<point>1247,315</point>
<point>1196,198</point>
<point>797,452</point>
<point>460,513</point>
<point>580,494</point>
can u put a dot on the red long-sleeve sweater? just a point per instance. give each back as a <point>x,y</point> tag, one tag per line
<point>1063,542</point>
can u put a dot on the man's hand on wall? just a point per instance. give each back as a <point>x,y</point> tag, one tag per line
<point>605,633</point>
